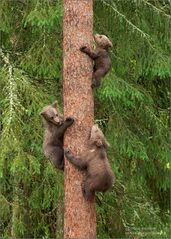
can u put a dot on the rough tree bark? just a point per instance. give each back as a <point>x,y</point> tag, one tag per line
<point>79,215</point>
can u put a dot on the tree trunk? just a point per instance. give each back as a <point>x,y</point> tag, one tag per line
<point>79,214</point>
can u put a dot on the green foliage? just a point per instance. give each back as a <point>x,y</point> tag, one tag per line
<point>43,14</point>
<point>132,107</point>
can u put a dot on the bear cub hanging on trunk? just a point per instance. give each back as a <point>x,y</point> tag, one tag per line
<point>55,127</point>
<point>101,57</point>
<point>99,176</point>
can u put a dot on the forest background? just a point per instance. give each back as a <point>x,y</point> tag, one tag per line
<point>131,106</point>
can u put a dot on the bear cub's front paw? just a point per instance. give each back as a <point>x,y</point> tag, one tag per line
<point>67,151</point>
<point>70,119</point>
<point>83,48</point>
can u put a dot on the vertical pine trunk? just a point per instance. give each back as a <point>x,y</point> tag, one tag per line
<point>79,214</point>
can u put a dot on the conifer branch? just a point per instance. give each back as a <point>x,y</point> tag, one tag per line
<point>134,27</point>
<point>12,85</point>
<point>158,10</point>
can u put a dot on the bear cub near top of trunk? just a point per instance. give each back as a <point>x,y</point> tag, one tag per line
<point>55,127</point>
<point>101,57</point>
<point>98,176</point>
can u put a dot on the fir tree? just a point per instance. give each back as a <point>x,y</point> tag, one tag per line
<point>132,107</point>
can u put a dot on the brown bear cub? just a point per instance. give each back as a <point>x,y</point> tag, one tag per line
<point>55,127</point>
<point>99,176</point>
<point>101,57</point>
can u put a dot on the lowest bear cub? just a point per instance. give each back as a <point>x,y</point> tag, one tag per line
<point>101,57</point>
<point>55,127</point>
<point>99,176</point>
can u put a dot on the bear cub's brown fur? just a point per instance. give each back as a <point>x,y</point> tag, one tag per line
<point>99,176</point>
<point>55,127</point>
<point>101,57</point>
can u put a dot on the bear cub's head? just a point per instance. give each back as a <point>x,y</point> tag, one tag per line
<point>97,137</point>
<point>50,114</point>
<point>102,41</point>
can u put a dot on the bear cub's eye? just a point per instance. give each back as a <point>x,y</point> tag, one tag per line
<point>51,117</point>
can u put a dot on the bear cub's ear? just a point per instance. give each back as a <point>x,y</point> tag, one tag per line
<point>42,113</point>
<point>55,104</point>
